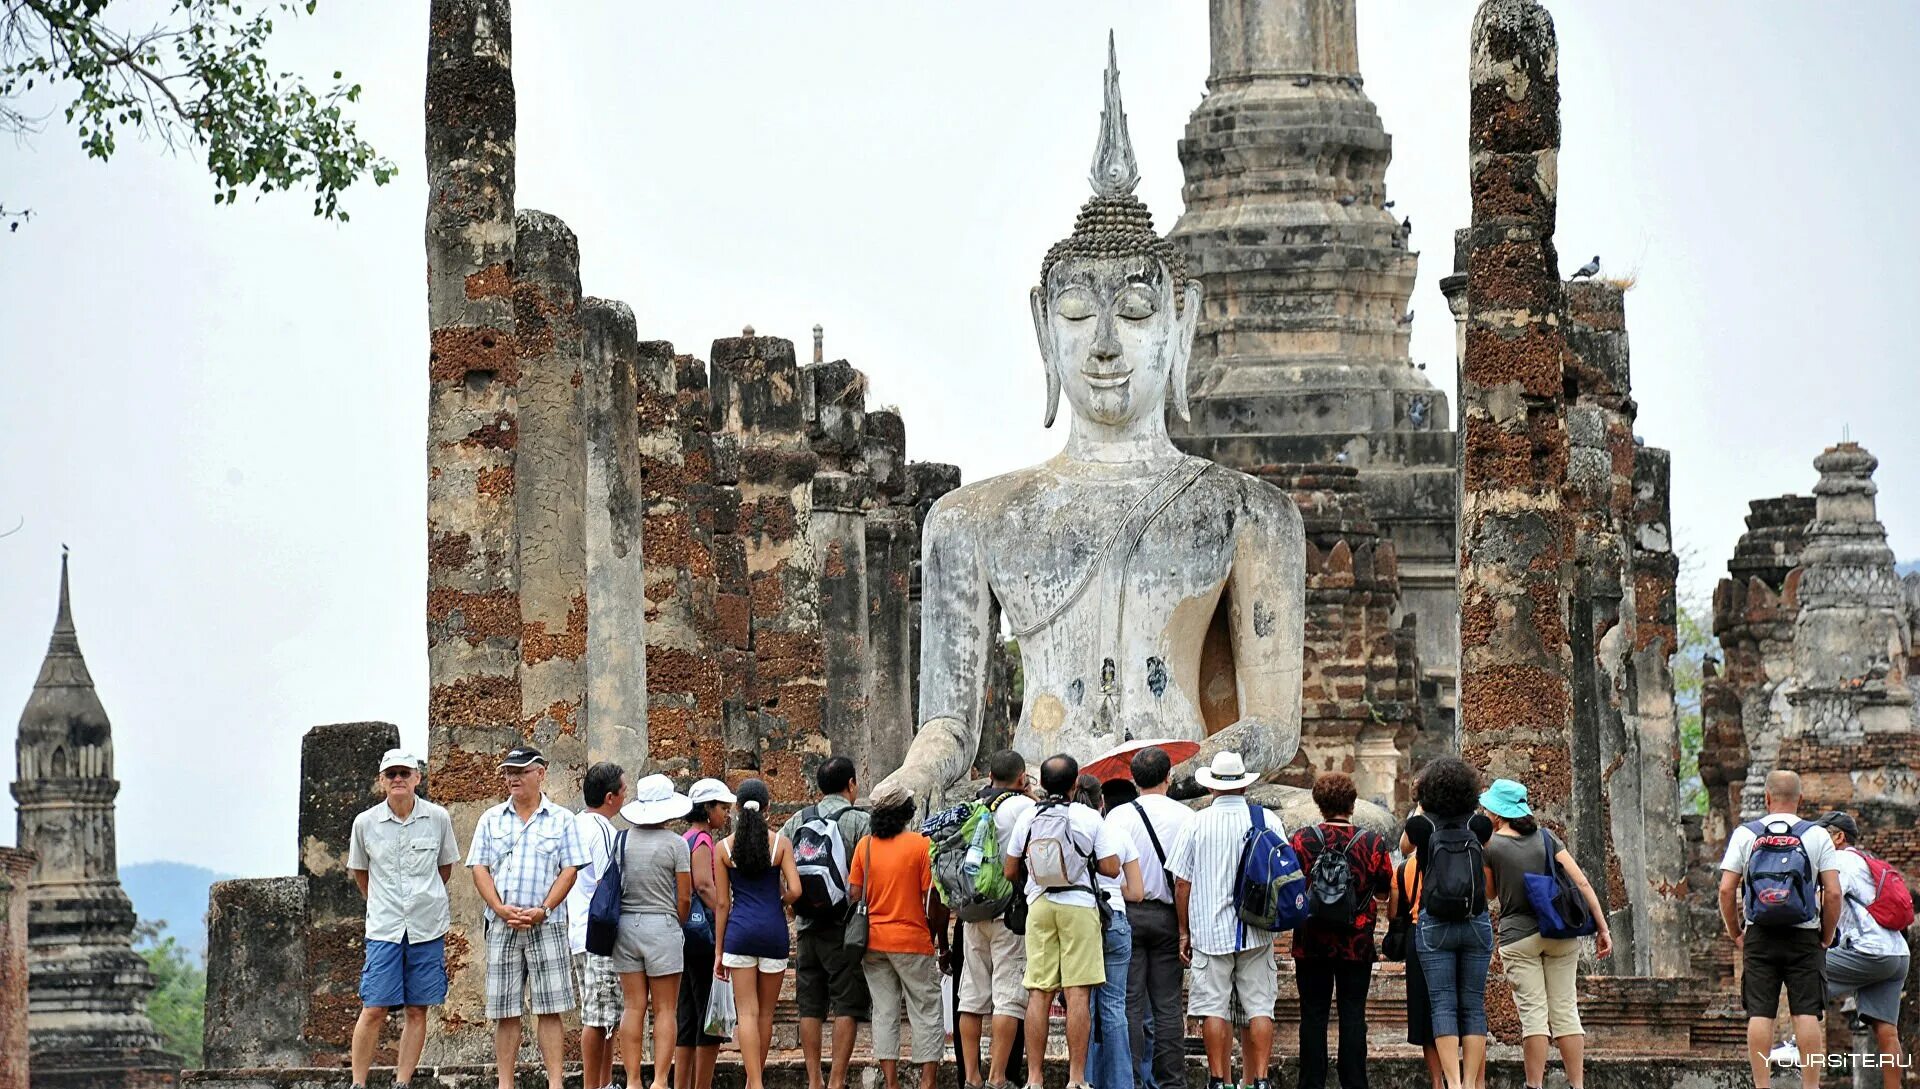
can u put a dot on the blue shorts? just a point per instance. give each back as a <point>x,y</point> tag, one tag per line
<point>404,973</point>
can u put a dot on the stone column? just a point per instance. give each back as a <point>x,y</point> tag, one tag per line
<point>615,717</point>
<point>15,867</point>
<point>257,987</point>
<point>549,498</point>
<point>837,527</point>
<point>339,769</point>
<point>1656,571</point>
<point>1282,38</point>
<point>1516,696</point>
<point>893,545</point>
<point>756,396</point>
<point>473,431</point>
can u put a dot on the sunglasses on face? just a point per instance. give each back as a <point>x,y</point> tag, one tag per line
<point>398,773</point>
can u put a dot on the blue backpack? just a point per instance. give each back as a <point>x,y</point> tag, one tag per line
<point>1271,893</point>
<point>1779,881</point>
<point>603,911</point>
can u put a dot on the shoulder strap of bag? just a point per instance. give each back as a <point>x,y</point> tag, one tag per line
<point>1152,836</point>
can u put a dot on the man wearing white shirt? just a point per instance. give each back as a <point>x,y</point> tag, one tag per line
<point>1233,964</point>
<point>1868,960</point>
<point>1154,823</point>
<point>400,855</point>
<point>1059,860</point>
<point>604,790</point>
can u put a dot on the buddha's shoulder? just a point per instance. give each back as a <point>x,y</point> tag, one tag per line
<point>987,500</point>
<point>1223,486</point>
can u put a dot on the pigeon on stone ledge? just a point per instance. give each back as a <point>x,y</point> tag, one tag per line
<point>1348,200</point>
<point>1588,270</point>
<point>1303,81</point>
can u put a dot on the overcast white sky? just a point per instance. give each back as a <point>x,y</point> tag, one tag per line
<point>223,409</point>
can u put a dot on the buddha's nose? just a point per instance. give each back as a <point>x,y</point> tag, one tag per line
<point>1106,346</point>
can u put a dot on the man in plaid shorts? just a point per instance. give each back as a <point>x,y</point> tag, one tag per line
<point>526,853</point>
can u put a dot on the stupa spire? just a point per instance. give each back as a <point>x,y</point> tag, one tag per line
<point>1116,173</point>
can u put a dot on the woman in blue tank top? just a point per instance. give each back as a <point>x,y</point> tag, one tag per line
<point>756,881</point>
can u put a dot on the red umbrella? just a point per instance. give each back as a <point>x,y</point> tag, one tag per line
<point>1117,763</point>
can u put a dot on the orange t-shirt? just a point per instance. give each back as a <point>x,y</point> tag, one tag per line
<point>896,874</point>
<point>1408,880</point>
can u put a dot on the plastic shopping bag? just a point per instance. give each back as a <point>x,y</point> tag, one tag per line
<point>720,1014</point>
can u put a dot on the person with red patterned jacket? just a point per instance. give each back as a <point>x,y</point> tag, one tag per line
<point>1334,949</point>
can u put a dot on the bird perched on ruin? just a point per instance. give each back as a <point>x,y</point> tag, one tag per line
<point>1348,200</point>
<point>1303,81</point>
<point>1588,270</point>
<point>1388,206</point>
<point>1407,318</point>
<point>1406,226</point>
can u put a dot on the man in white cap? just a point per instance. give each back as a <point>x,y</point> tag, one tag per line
<point>604,790</point>
<point>401,854</point>
<point>526,854</point>
<point>1231,960</point>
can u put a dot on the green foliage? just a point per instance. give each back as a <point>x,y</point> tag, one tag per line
<point>1694,631</point>
<point>179,999</point>
<point>199,79</point>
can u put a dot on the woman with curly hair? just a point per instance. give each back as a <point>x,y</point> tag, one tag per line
<point>1454,935</point>
<point>755,881</point>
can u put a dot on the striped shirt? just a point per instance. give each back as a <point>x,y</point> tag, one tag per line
<point>1170,820</point>
<point>1208,857</point>
<point>525,858</point>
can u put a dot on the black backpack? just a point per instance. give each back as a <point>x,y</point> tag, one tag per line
<point>1455,874</point>
<point>1334,892</point>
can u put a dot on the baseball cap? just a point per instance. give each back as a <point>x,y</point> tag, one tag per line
<point>400,758</point>
<point>709,790</point>
<point>522,756</point>
<point>1842,821</point>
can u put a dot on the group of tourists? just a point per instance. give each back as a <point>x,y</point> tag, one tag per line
<point>1106,901</point>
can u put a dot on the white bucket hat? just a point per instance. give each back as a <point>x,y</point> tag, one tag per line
<point>1227,772</point>
<point>709,790</point>
<point>655,802</point>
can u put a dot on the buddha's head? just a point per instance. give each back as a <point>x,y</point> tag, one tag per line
<point>1114,310</point>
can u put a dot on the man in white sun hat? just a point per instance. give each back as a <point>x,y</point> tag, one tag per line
<point>526,854</point>
<point>401,854</point>
<point>1232,962</point>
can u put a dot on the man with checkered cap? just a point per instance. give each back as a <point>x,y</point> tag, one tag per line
<point>526,853</point>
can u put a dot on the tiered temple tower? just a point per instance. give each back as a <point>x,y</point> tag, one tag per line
<point>87,988</point>
<point>1301,355</point>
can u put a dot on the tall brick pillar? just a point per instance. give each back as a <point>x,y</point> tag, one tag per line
<point>16,866</point>
<point>473,432</point>
<point>756,392</point>
<point>1664,865</point>
<point>615,722</point>
<point>339,767</point>
<point>893,546</point>
<point>549,498</point>
<point>1516,541</point>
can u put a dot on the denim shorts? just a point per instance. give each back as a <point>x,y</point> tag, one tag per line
<point>404,973</point>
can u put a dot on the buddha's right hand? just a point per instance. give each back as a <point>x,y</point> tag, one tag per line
<point>935,759</point>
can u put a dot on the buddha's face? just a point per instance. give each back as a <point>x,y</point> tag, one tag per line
<point>1111,336</point>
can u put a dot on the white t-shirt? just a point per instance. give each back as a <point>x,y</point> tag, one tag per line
<point>1124,850</point>
<point>1170,820</point>
<point>596,834</point>
<point>1818,844</point>
<point>1008,813</point>
<point>1087,828</point>
<point>1858,930</point>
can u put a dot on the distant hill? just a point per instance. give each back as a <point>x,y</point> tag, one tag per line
<point>1907,568</point>
<point>174,893</point>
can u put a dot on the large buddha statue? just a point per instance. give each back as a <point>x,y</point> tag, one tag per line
<point>1153,594</point>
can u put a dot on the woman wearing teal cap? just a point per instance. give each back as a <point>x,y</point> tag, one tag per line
<point>1541,969</point>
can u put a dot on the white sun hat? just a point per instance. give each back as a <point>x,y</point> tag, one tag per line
<point>1227,772</point>
<point>655,802</point>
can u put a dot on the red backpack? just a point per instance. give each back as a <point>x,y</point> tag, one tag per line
<point>1892,905</point>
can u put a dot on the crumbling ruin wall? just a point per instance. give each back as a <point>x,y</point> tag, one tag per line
<point>257,984</point>
<point>16,866</point>
<point>1359,696</point>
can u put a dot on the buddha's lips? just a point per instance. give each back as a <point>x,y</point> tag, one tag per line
<point>1106,381</point>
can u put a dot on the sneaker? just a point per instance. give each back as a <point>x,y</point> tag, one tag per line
<point>1787,1054</point>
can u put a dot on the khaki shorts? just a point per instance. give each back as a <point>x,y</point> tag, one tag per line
<point>1235,986</point>
<point>1542,973</point>
<point>996,961</point>
<point>1064,947</point>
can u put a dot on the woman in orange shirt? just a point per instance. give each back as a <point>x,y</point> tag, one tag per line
<point>892,874</point>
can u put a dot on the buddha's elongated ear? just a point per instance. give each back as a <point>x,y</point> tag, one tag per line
<point>1186,321</point>
<point>1037,299</point>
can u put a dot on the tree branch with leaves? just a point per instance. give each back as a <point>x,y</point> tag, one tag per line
<point>197,80</point>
